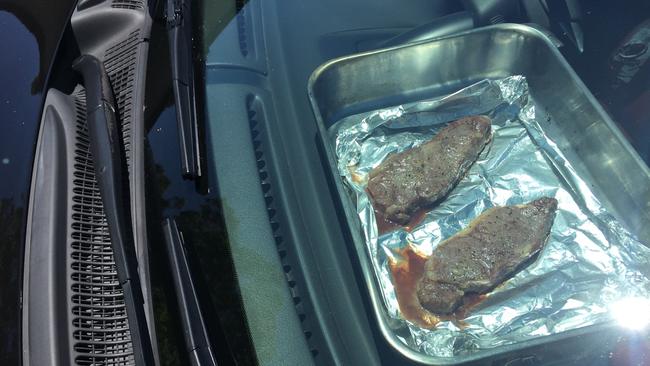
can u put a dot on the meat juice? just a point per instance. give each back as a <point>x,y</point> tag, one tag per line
<point>406,274</point>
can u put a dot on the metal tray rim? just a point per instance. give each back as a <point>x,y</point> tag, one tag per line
<point>371,285</point>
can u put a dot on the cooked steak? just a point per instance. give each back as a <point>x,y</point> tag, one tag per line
<point>414,179</point>
<point>480,257</point>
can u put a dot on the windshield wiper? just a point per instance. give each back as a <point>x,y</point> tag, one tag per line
<point>195,332</point>
<point>108,162</point>
<point>179,30</point>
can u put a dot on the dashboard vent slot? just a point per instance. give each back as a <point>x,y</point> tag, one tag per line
<point>99,322</point>
<point>240,6</point>
<point>128,4</point>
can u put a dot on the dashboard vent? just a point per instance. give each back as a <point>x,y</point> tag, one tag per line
<point>99,322</point>
<point>240,7</point>
<point>128,4</point>
<point>256,121</point>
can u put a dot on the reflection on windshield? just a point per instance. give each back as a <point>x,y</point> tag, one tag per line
<point>45,20</point>
<point>197,209</point>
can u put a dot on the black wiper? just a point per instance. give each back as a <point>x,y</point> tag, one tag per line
<point>179,29</point>
<point>195,332</point>
<point>108,162</point>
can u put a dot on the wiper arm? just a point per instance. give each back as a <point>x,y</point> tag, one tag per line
<point>195,332</point>
<point>179,30</point>
<point>108,162</point>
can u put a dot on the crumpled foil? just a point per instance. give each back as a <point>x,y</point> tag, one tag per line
<point>589,262</point>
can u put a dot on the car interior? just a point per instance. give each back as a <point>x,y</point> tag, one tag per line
<point>186,206</point>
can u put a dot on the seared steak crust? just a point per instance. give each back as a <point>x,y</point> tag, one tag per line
<point>414,179</point>
<point>481,256</point>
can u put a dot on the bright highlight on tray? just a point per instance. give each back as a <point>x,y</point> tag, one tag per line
<point>632,312</point>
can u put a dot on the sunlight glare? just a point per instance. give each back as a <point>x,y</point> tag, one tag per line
<point>632,312</point>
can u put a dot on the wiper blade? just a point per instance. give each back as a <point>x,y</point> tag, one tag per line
<point>195,332</point>
<point>179,30</point>
<point>108,162</point>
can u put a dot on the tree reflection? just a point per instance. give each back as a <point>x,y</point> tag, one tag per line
<point>11,240</point>
<point>206,239</point>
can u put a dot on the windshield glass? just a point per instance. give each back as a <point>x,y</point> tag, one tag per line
<point>271,146</point>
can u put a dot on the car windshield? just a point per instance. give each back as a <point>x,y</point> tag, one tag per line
<point>300,102</point>
<point>297,182</point>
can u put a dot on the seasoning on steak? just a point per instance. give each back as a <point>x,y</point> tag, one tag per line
<point>481,256</point>
<point>417,178</point>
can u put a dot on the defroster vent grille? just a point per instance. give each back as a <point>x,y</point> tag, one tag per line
<point>240,7</point>
<point>99,321</point>
<point>128,4</point>
<point>120,66</point>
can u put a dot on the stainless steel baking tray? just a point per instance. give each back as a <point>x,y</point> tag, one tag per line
<point>579,127</point>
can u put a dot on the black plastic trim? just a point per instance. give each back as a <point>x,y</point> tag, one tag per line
<point>44,334</point>
<point>117,33</point>
<point>108,161</point>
